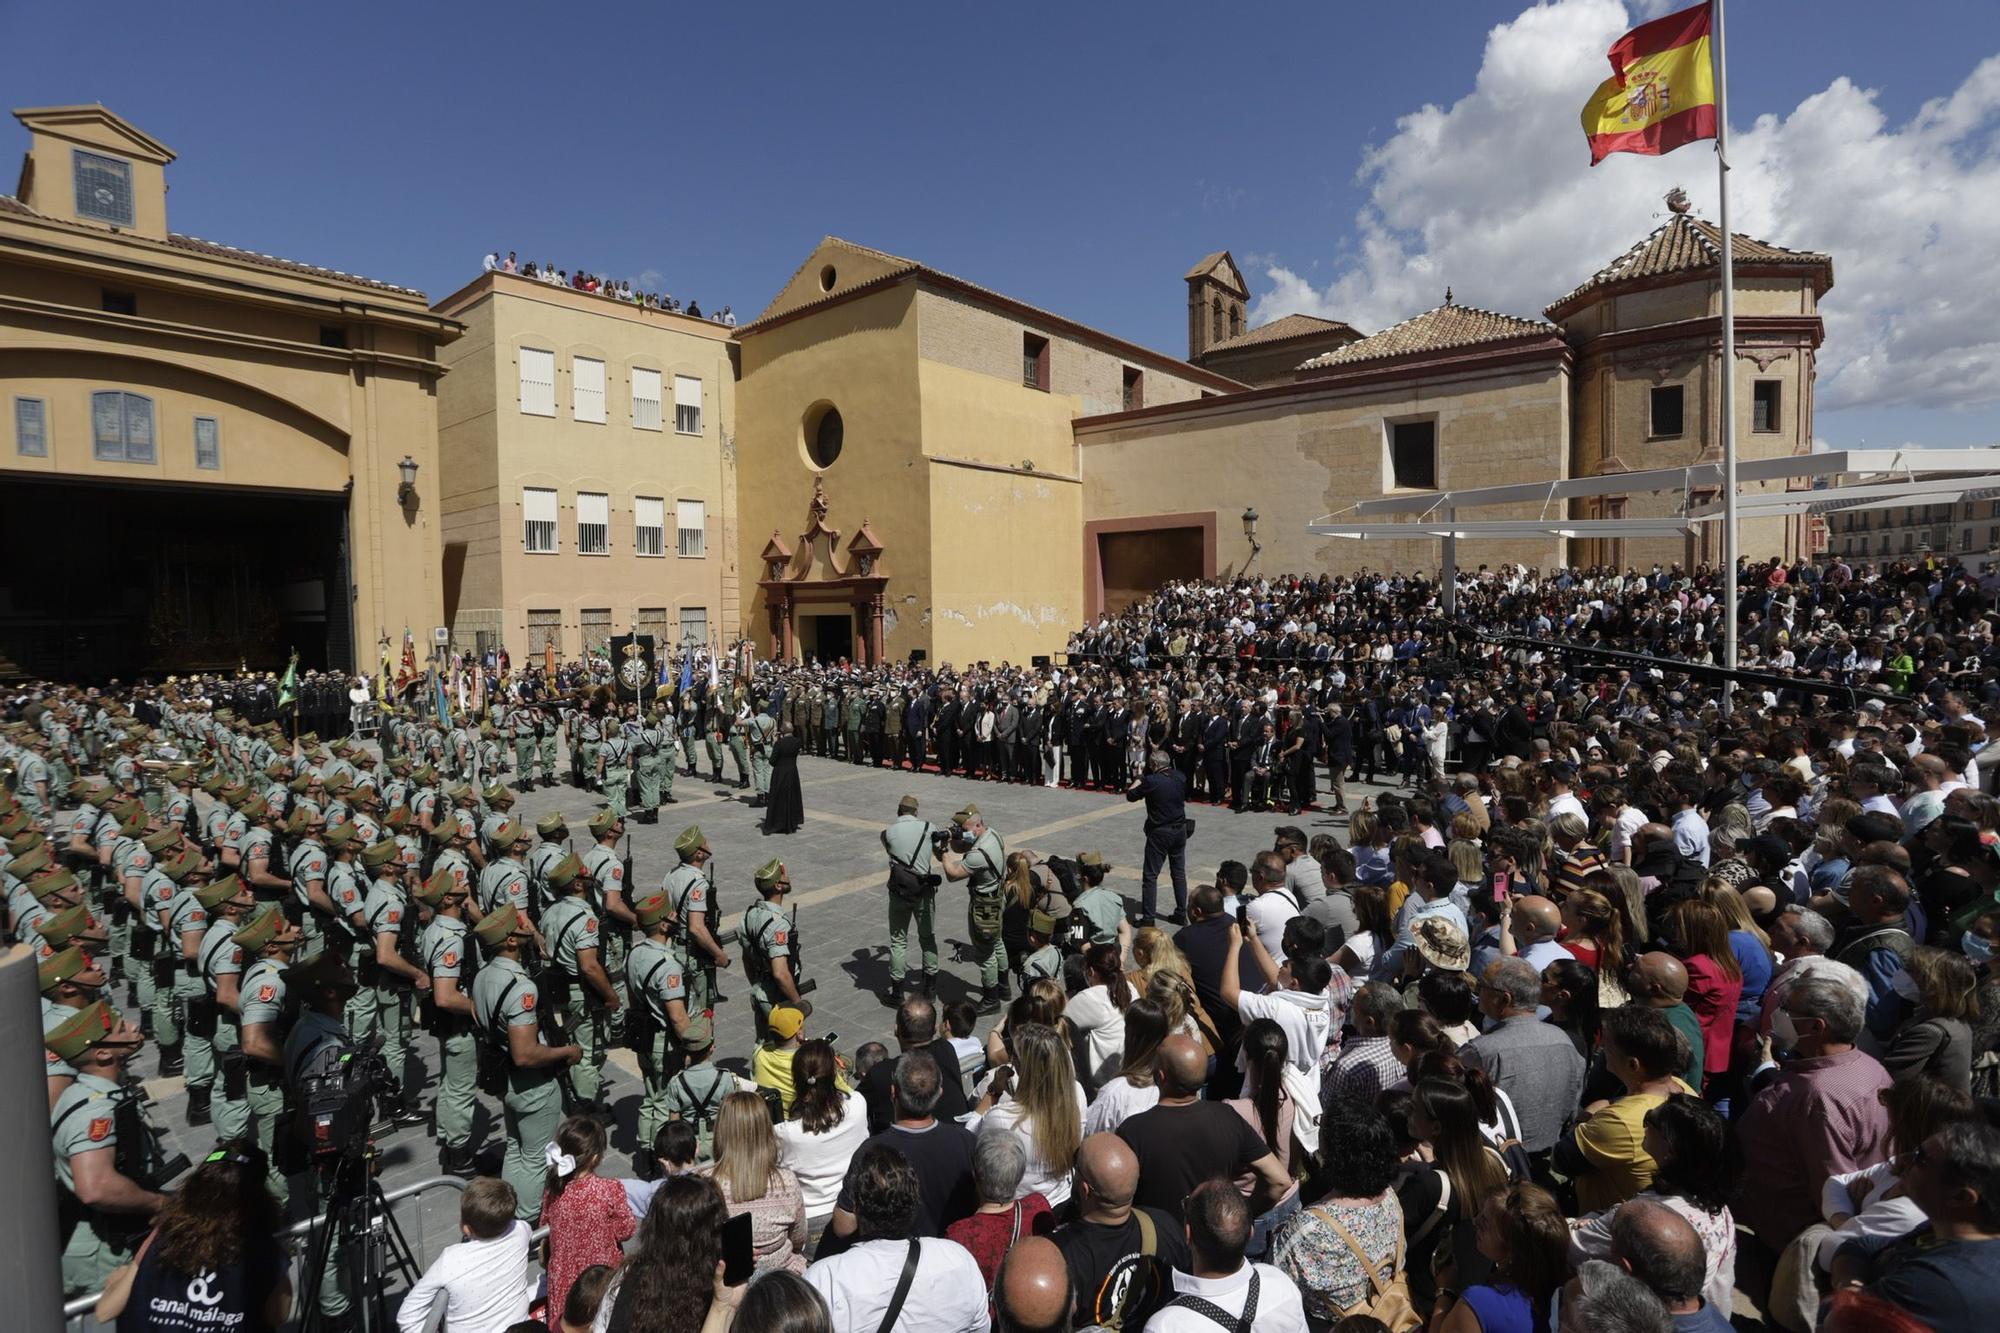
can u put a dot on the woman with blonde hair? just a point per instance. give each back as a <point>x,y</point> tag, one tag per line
<point>746,1170</point>
<point>1035,1096</point>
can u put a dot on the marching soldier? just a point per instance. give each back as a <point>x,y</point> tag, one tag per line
<point>739,739</point>
<point>221,964</point>
<point>552,833</point>
<point>761,733</point>
<point>308,867</point>
<point>653,748</point>
<point>908,843</point>
<point>452,854</point>
<point>195,908</point>
<point>983,867</point>
<point>525,721</point>
<point>614,766</point>
<point>499,802</point>
<point>391,976</point>
<point>692,892</point>
<point>446,955</point>
<point>587,735</point>
<point>165,920</point>
<point>272,941</point>
<point>575,952</point>
<point>769,954</point>
<point>610,895</point>
<point>105,1211</point>
<point>504,883</point>
<point>657,1025</point>
<point>487,750</point>
<point>69,982</point>
<point>345,929</point>
<point>504,1002</point>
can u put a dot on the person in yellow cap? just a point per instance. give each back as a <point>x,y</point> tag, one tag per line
<point>393,979</point>
<point>692,891</point>
<point>269,942</point>
<point>111,1210</point>
<point>658,1019</point>
<point>983,866</point>
<point>912,897</point>
<point>573,928</point>
<point>770,949</point>
<point>446,954</point>
<point>771,1062</point>
<point>219,963</point>
<point>69,982</point>
<point>504,1010</point>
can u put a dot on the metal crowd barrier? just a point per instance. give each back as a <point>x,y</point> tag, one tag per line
<point>77,1313</point>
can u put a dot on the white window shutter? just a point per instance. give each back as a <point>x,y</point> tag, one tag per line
<point>687,405</point>
<point>691,520</point>
<point>587,389</point>
<point>645,398</point>
<point>538,382</point>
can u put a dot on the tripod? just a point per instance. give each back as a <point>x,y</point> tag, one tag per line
<point>372,1246</point>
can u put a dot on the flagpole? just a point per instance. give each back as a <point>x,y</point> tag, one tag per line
<point>1728,364</point>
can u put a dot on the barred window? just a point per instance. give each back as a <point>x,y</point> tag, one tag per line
<point>593,523</point>
<point>649,525</point>
<point>692,521</point>
<point>687,405</point>
<point>538,512</point>
<point>645,398</point>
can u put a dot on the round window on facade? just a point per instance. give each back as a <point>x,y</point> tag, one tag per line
<point>827,277</point>
<point>824,431</point>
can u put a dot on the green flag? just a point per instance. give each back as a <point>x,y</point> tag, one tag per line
<point>288,688</point>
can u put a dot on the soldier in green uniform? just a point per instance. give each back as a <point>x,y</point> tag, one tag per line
<point>692,892</point>
<point>614,766</point>
<point>983,868</point>
<point>761,734</point>
<point>106,1210</point>
<point>908,843</point>
<point>445,954</point>
<point>488,750</point>
<point>571,926</point>
<point>391,975</point>
<point>178,922</point>
<point>452,855</point>
<point>739,739</point>
<point>770,958</point>
<point>346,929</point>
<point>551,834</point>
<point>715,726</point>
<point>588,736</point>
<point>1100,906</point>
<point>308,869</point>
<point>499,802</point>
<point>653,750</point>
<point>504,1000</point>
<point>271,941</point>
<point>850,724</point>
<point>695,1093</point>
<point>610,896</point>
<point>221,962</point>
<point>656,1026</point>
<point>199,1023</point>
<point>1044,959</point>
<point>69,982</point>
<point>525,722</point>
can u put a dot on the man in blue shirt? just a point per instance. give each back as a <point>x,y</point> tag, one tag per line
<point>1946,1272</point>
<point>1165,796</point>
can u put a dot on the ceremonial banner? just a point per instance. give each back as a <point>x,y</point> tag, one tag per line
<point>632,665</point>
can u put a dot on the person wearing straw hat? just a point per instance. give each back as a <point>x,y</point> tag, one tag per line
<point>446,953</point>
<point>110,1208</point>
<point>505,1000</point>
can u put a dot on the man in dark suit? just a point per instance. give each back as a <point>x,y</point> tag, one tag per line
<point>1117,732</point>
<point>916,725</point>
<point>1215,754</point>
<point>1513,734</point>
<point>1185,742</point>
<point>947,731</point>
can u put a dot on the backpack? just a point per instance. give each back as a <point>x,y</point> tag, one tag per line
<point>1117,1287</point>
<point>1388,1297</point>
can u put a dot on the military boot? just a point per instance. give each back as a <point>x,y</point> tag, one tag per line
<point>197,1110</point>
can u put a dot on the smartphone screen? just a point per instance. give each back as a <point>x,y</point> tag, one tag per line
<point>738,1261</point>
<point>1499,888</point>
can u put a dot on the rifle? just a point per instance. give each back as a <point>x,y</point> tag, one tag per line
<point>799,982</point>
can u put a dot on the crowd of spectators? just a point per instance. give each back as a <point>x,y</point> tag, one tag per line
<point>614,289</point>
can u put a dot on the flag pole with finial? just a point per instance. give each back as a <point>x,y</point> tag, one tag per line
<point>1729,534</point>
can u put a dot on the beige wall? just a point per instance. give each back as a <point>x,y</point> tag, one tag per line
<point>1298,457</point>
<point>238,341</point>
<point>493,450</point>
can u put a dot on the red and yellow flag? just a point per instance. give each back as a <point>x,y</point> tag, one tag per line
<point>1661,93</point>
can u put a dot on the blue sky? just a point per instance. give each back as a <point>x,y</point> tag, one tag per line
<point>1078,156</point>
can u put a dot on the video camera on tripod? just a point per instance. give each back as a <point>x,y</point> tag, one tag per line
<point>337,1095</point>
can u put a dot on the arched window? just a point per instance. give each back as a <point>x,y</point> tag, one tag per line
<point>1217,322</point>
<point>1235,320</point>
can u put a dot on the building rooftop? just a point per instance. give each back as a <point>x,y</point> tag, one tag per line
<point>217,250</point>
<point>1280,329</point>
<point>1688,244</point>
<point>1446,326</point>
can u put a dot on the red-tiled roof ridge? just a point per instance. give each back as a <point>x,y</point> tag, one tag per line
<point>1284,326</point>
<point>1687,244</point>
<point>1444,326</point>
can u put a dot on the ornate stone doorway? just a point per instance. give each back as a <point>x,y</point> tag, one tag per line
<point>810,588</point>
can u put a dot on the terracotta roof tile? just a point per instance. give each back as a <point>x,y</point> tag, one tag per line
<point>1688,244</point>
<point>1286,326</point>
<point>1434,330</point>
<point>1208,261</point>
<point>217,250</point>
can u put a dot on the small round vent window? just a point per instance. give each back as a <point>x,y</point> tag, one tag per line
<point>823,436</point>
<point>827,277</point>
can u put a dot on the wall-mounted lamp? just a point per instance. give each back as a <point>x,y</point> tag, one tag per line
<point>1250,532</point>
<point>408,490</point>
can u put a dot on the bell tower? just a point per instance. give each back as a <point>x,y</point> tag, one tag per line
<point>1216,298</point>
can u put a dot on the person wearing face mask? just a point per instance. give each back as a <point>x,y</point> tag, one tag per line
<point>1818,1114</point>
<point>1937,1040</point>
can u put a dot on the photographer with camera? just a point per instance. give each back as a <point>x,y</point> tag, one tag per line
<point>447,1015</point>
<point>577,979</point>
<point>101,1148</point>
<point>912,895</point>
<point>976,855</point>
<point>515,1064</point>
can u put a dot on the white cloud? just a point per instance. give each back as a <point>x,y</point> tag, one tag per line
<point>1492,196</point>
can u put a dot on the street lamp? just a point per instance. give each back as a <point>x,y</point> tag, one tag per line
<point>1250,532</point>
<point>408,490</point>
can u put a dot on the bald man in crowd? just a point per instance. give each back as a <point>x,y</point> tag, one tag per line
<point>1184,1140</point>
<point>1660,981</point>
<point>1535,922</point>
<point>1032,1294</point>
<point>1119,1279</point>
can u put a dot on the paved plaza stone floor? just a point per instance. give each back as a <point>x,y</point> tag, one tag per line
<point>839,876</point>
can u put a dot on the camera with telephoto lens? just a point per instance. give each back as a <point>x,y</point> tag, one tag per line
<point>953,839</point>
<point>337,1095</point>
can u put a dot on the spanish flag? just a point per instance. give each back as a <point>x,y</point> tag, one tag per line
<point>1661,93</point>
